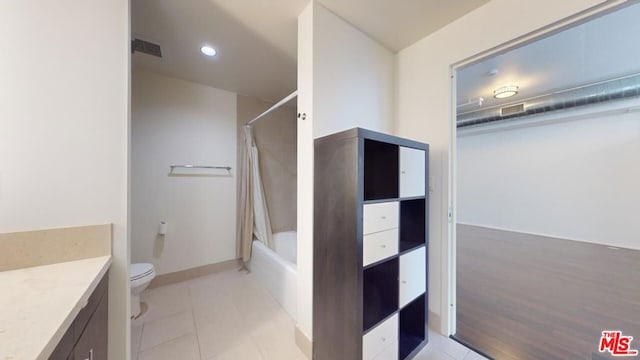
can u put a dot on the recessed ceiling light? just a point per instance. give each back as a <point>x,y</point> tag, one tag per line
<point>208,50</point>
<point>505,91</point>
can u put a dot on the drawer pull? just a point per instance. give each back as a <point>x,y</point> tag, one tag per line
<point>90,355</point>
<point>404,281</point>
<point>404,172</point>
<point>383,217</point>
<point>383,246</point>
<point>383,339</point>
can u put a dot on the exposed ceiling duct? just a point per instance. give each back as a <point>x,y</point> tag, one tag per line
<point>615,89</point>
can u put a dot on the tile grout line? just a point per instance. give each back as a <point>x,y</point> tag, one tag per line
<point>245,325</point>
<point>168,341</point>
<point>195,325</point>
<point>144,324</point>
<point>139,343</point>
<point>279,308</point>
<point>249,331</point>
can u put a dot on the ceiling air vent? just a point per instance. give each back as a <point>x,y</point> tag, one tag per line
<point>512,110</point>
<point>146,47</point>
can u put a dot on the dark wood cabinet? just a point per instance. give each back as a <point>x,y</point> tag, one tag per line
<point>92,344</point>
<point>87,337</point>
<point>370,246</point>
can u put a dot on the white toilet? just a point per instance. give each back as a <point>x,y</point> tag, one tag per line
<point>140,277</point>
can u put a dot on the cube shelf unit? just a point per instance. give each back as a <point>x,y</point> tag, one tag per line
<point>370,246</point>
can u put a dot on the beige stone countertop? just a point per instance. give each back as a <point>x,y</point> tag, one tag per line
<point>38,304</point>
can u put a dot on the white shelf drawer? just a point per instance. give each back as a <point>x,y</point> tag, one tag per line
<point>378,340</point>
<point>380,217</point>
<point>412,172</point>
<point>413,275</point>
<point>379,245</point>
<point>391,352</point>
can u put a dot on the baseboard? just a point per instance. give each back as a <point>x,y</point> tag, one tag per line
<point>184,275</point>
<point>435,322</point>
<point>304,343</point>
<point>557,237</point>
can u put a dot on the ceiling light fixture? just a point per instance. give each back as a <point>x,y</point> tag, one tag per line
<point>208,50</point>
<point>505,91</point>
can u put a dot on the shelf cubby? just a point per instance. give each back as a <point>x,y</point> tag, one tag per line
<point>380,289</point>
<point>381,170</point>
<point>412,326</point>
<point>413,225</point>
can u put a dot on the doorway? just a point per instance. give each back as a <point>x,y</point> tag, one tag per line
<point>542,258</point>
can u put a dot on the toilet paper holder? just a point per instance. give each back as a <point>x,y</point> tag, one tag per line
<point>162,229</point>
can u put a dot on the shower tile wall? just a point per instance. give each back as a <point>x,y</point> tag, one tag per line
<point>276,137</point>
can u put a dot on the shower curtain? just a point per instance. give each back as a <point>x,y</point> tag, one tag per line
<point>252,211</point>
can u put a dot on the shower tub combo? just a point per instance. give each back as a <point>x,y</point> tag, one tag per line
<point>277,270</point>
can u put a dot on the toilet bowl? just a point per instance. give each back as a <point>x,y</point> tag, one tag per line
<point>140,277</point>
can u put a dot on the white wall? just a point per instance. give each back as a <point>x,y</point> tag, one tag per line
<point>64,127</point>
<point>178,122</point>
<point>304,317</point>
<point>345,80</point>
<point>573,180</point>
<point>424,103</point>
<point>354,78</point>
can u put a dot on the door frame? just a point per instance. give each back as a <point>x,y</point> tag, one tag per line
<point>551,29</point>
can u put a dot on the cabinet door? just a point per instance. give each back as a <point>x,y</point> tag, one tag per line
<point>413,275</point>
<point>65,346</point>
<point>92,344</point>
<point>412,172</point>
<point>87,312</point>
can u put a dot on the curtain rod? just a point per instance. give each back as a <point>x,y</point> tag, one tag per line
<point>277,105</point>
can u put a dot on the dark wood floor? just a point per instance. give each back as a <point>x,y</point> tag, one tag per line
<point>524,297</point>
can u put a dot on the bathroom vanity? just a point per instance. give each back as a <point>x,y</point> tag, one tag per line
<point>370,246</point>
<point>54,293</point>
<point>57,311</point>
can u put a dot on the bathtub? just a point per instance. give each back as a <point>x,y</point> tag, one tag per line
<point>276,270</point>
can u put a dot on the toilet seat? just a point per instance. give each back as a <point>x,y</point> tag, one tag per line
<point>140,271</point>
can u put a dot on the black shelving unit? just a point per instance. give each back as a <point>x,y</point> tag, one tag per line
<point>370,246</point>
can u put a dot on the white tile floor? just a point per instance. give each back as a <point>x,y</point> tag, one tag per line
<point>228,316</point>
